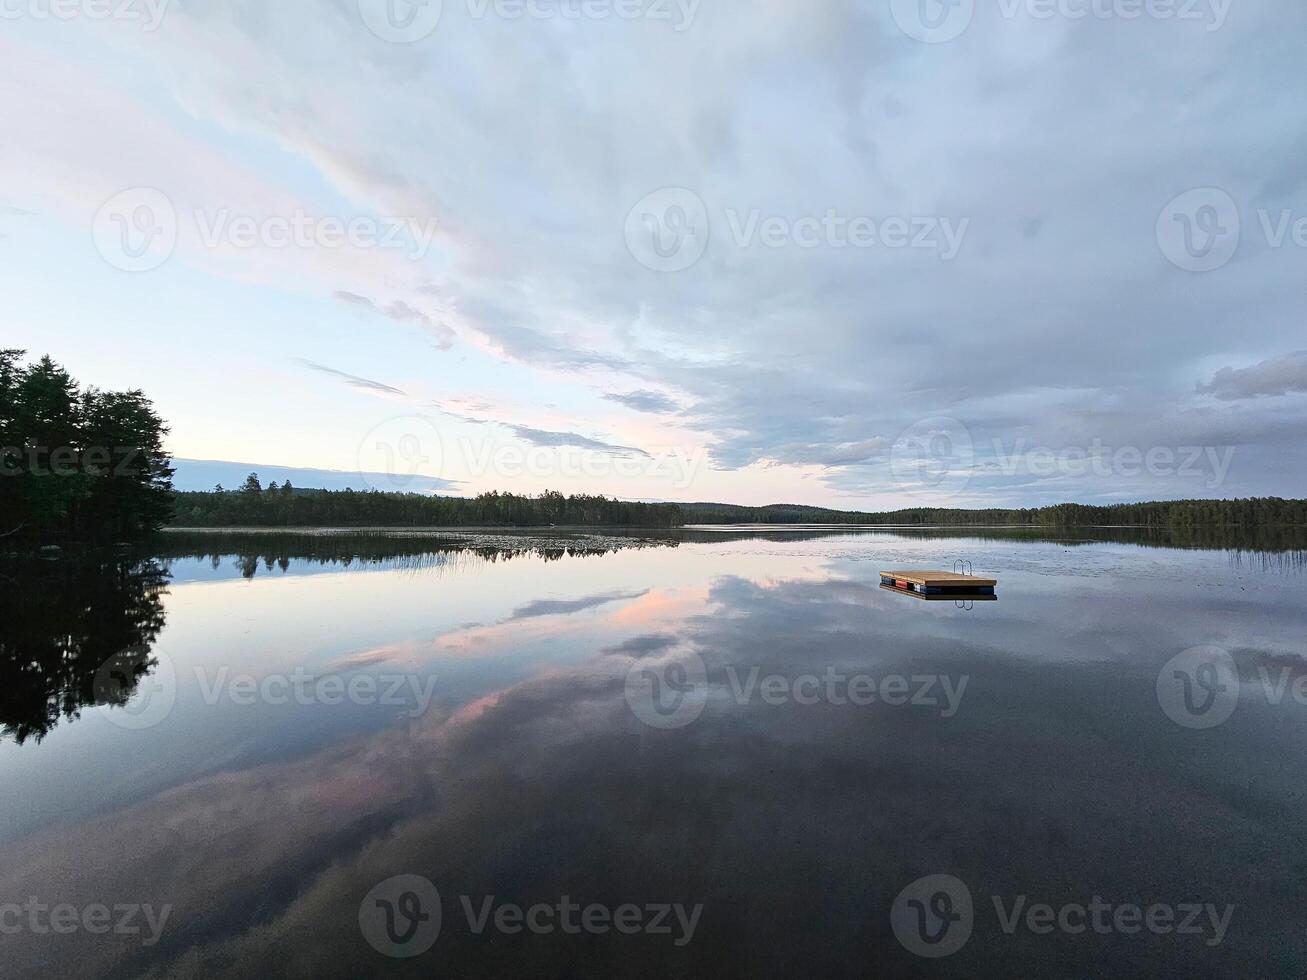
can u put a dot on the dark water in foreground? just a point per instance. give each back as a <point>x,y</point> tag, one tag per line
<point>708,755</point>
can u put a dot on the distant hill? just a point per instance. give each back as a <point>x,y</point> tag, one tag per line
<point>1255,511</point>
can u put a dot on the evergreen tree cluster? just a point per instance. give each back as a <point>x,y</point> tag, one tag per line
<point>253,505</point>
<point>1244,512</point>
<point>77,463</point>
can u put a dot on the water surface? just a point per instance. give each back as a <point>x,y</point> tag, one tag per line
<point>258,731</point>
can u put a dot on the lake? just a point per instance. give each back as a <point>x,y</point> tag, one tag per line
<point>696,753</point>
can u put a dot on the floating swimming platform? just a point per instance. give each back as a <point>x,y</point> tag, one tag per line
<point>939,585</point>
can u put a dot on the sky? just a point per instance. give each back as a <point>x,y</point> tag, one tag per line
<point>855,253</point>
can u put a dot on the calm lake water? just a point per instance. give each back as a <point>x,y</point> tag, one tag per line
<point>706,754</point>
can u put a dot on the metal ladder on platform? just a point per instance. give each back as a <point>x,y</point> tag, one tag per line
<point>963,566</point>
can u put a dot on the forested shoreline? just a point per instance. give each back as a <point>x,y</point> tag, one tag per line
<point>253,505</point>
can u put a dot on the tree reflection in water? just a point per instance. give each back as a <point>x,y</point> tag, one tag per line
<point>76,634</point>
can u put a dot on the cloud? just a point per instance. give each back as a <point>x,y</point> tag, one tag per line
<point>564,607</point>
<point>544,437</point>
<point>643,646</point>
<point>644,400</point>
<point>401,312</point>
<point>354,299</point>
<point>353,380</point>
<point>839,454</point>
<point>549,438</point>
<point>1274,376</point>
<point>8,212</point>
<point>1059,318</point>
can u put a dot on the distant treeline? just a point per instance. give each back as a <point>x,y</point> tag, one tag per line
<point>77,463</point>
<point>253,505</point>
<point>1248,512</point>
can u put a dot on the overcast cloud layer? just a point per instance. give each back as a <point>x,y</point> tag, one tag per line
<point>1049,258</point>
